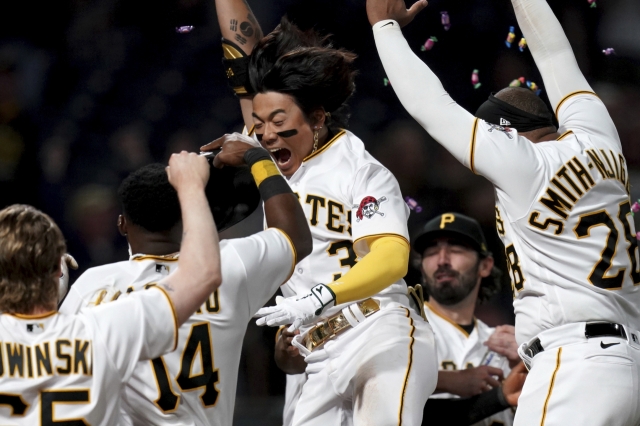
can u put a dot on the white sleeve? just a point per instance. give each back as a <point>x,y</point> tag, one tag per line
<point>72,303</point>
<point>139,327</point>
<point>550,49</point>
<point>85,290</point>
<point>509,161</point>
<point>268,258</point>
<point>421,92</point>
<point>584,111</point>
<point>377,207</point>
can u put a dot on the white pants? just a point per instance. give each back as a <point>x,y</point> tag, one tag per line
<point>379,373</point>
<point>580,381</point>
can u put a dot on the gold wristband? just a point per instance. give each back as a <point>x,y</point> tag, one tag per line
<point>262,170</point>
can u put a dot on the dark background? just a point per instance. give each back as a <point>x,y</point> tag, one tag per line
<point>93,89</point>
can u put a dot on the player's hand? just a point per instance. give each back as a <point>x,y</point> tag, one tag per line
<point>233,146</point>
<point>469,382</point>
<point>512,385</point>
<point>503,342</point>
<point>287,356</point>
<point>66,262</point>
<point>379,10</point>
<point>297,312</point>
<point>188,169</point>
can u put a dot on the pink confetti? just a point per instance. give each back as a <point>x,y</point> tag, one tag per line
<point>635,207</point>
<point>444,19</point>
<point>609,51</point>
<point>413,204</point>
<point>184,29</point>
<point>428,45</point>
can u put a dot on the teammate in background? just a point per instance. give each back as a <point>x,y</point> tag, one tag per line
<point>458,274</point>
<point>563,213</point>
<point>69,369</point>
<point>362,349</point>
<point>171,390</point>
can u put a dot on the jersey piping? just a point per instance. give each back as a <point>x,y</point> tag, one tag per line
<point>567,133</point>
<point>174,257</point>
<point>175,317</point>
<point>293,250</point>
<point>472,146</point>
<point>325,147</point>
<point>570,95</point>
<point>36,316</point>
<point>406,377</point>
<point>453,323</point>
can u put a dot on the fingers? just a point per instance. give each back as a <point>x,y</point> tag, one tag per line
<point>212,146</point>
<point>296,325</point>
<point>493,371</point>
<point>492,382</point>
<point>416,8</point>
<point>70,261</point>
<point>279,299</point>
<point>519,368</point>
<point>262,312</point>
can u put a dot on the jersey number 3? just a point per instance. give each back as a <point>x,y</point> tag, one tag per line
<point>199,342</point>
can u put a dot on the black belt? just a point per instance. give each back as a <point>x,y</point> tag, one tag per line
<point>592,329</point>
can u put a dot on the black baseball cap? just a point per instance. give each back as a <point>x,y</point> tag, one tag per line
<point>452,224</point>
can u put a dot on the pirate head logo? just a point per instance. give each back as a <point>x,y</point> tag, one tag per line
<point>505,130</point>
<point>369,206</point>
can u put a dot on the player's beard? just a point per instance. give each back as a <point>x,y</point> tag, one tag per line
<point>456,289</point>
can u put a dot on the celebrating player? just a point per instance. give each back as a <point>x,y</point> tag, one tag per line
<point>69,369</point>
<point>563,213</point>
<point>170,390</point>
<point>363,346</point>
<point>458,273</point>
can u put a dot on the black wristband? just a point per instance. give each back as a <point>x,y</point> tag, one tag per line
<point>253,155</point>
<point>273,185</point>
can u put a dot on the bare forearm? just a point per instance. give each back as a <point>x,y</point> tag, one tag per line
<point>199,273</point>
<point>284,212</point>
<point>238,24</point>
<point>421,92</point>
<point>550,49</point>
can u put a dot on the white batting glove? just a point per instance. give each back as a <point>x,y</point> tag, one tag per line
<point>297,312</point>
<point>67,261</point>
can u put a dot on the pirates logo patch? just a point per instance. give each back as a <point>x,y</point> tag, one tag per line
<point>505,130</point>
<point>368,207</point>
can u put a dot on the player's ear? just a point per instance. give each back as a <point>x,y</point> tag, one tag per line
<point>122,225</point>
<point>317,118</point>
<point>486,265</point>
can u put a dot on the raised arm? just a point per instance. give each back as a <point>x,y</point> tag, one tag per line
<point>550,49</point>
<point>240,32</point>
<point>199,273</point>
<point>417,87</point>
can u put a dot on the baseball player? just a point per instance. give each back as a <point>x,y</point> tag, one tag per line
<point>172,390</point>
<point>358,335</point>
<point>562,211</point>
<point>68,369</point>
<point>458,273</point>
<point>473,357</point>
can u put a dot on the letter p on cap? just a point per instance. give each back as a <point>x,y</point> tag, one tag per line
<point>446,218</point>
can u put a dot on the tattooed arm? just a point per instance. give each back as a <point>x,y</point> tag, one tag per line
<point>239,26</point>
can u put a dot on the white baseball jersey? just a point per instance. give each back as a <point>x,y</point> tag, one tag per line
<point>69,369</point>
<point>346,195</point>
<point>196,383</point>
<point>563,213</point>
<point>458,350</point>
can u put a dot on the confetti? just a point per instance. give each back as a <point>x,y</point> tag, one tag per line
<point>413,204</point>
<point>428,45</point>
<point>635,207</point>
<point>510,37</point>
<point>592,3</point>
<point>609,51</point>
<point>386,82</point>
<point>184,29</point>
<point>522,44</point>
<point>475,79</point>
<point>638,235</point>
<point>446,22</point>
<point>534,87</point>
<point>518,82</point>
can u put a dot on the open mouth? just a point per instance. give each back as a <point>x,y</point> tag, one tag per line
<point>281,155</point>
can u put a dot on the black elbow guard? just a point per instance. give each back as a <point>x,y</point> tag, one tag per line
<point>236,67</point>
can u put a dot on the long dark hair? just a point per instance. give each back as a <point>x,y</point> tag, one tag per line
<point>304,65</point>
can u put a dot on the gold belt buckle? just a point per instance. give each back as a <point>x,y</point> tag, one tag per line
<point>336,324</point>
